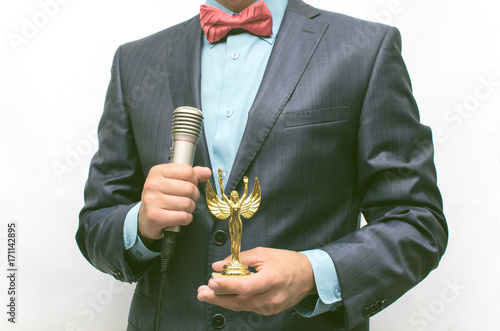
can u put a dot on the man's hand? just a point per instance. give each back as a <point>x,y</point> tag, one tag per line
<point>282,280</point>
<point>168,198</point>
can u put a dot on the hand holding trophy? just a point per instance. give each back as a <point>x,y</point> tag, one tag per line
<point>234,207</point>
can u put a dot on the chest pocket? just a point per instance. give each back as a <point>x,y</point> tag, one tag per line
<point>316,116</point>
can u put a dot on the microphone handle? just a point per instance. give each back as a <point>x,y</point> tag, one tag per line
<point>182,152</point>
<point>186,128</point>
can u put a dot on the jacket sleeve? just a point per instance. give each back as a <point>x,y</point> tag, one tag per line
<point>406,233</point>
<point>113,187</point>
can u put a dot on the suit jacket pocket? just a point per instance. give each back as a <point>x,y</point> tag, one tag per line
<point>316,116</point>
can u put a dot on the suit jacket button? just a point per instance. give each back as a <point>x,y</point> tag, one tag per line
<point>368,312</point>
<point>374,308</point>
<point>219,238</point>
<point>118,275</point>
<point>218,321</point>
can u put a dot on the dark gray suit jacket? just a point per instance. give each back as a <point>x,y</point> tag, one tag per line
<point>334,131</point>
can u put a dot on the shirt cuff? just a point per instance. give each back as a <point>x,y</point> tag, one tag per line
<point>134,248</point>
<point>327,284</point>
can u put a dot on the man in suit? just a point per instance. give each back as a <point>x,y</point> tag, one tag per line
<point>321,111</point>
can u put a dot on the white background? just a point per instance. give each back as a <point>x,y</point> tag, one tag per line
<point>53,79</point>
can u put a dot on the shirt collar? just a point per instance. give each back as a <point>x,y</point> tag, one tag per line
<point>276,7</point>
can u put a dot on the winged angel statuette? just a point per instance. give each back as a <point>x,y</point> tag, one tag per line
<point>234,207</point>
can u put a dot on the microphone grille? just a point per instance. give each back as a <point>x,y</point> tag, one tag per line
<point>187,121</point>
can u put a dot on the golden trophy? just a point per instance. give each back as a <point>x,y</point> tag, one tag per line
<point>234,207</point>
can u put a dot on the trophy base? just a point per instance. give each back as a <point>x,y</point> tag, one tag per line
<point>236,269</point>
<point>231,271</point>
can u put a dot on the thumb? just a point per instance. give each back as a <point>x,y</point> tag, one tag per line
<point>203,173</point>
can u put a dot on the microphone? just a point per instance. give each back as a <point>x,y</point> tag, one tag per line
<point>186,129</point>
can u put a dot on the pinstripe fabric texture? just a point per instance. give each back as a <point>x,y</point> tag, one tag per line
<point>333,132</point>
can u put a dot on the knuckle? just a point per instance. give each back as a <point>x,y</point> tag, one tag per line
<point>146,198</point>
<point>185,218</point>
<point>183,171</point>
<point>196,195</point>
<point>151,185</point>
<point>192,191</point>
<point>277,281</point>
<point>186,205</point>
<point>189,190</point>
<point>266,311</point>
<point>156,171</point>
<point>277,301</point>
<point>245,289</point>
<point>148,185</point>
<point>191,207</point>
<point>236,306</point>
<point>153,214</point>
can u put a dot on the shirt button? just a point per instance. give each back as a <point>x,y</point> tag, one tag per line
<point>235,55</point>
<point>337,292</point>
<point>228,113</point>
<point>219,238</point>
<point>218,321</point>
<point>223,175</point>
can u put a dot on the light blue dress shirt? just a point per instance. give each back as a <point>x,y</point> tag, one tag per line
<point>231,73</point>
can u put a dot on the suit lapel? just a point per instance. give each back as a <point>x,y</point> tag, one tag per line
<point>184,74</point>
<point>296,42</point>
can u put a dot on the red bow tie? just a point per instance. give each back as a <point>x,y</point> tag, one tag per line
<point>216,24</point>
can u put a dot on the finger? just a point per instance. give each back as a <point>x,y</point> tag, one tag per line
<point>256,257</point>
<point>203,288</point>
<point>176,187</point>
<point>204,293</point>
<point>231,302</point>
<point>174,217</point>
<point>257,283</point>
<point>176,203</point>
<point>218,266</point>
<point>253,257</point>
<point>154,228</point>
<point>178,171</point>
<point>154,200</point>
<point>155,205</point>
<point>259,304</point>
<point>254,284</point>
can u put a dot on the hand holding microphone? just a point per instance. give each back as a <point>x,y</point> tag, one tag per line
<point>168,198</point>
<point>170,190</point>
